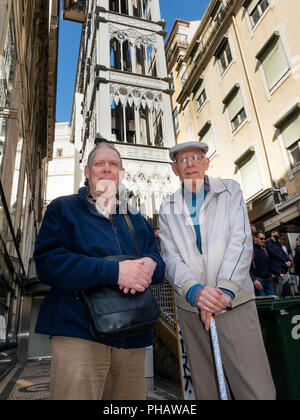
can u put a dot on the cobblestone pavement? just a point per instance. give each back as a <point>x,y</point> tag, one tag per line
<point>31,382</point>
<point>28,382</point>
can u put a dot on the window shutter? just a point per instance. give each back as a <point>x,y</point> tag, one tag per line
<point>291,130</point>
<point>274,62</point>
<point>208,138</point>
<point>220,47</point>
<point>235,104</point>
<point>250,177</point>
<point>197,86</point>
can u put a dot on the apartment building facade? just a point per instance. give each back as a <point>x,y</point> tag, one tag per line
<point>237,86</point>
<point>28,57</point>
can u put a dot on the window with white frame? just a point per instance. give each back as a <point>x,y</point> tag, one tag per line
<point>207,136</point>
<point>255,9</point>
<point>201,98</point>
<point>119,6</point>
<point>223,55</point>
<point>249,173</point>
<point>290,131</point>
<point>235,107</point>
<point>273,60</point>
<point>199,93</point>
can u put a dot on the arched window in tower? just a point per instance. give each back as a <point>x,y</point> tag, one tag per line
<point>115,54</point>
<point>140,58</point>
<point>145,4</point>
<point>119,6</point>
<point>141,9</point>
<point>127,61</point>
<point>124,7</point>
<point>123,123</point>
<point>114,5</point>
<point>151,61</point>
<point>130,124</point>
<point>157,128</point>
<point>117,122</point>
<point>145,136</point>
<point>120,55</point>
<point>137,8</point>
<point>146,59</point>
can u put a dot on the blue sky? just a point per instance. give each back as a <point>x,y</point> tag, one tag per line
<point>69,38</point>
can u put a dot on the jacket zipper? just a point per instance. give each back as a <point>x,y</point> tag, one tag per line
<point>111,219</point>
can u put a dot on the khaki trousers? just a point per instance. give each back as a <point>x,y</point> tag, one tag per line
<point>85,370</point>
<point>243,353</point>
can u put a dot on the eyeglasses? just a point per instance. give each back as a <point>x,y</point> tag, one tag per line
<point>262,239</point>
<point>183,160</point>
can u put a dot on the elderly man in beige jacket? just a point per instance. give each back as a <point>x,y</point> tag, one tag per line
<point>206,244</point>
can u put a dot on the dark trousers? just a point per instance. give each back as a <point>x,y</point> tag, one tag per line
<point>268,288</point>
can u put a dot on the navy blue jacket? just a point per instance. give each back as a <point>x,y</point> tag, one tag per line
<point>72,239</point>
<point>260,264</point>
<point>277,257</point>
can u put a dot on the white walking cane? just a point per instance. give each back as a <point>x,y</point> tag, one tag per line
<point>218,359</point>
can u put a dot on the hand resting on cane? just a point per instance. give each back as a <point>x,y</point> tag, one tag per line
<point>211,301</point>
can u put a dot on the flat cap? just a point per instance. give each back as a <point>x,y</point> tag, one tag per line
<point>186,145</point>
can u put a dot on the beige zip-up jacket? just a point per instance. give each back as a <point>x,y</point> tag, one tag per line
<point>225,238</point>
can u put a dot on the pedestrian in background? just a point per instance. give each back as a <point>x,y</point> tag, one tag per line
<point>253,228</point>
<point>259,270</point>
<point>279,261</point>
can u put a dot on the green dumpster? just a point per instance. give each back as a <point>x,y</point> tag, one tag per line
<point>280,325</point>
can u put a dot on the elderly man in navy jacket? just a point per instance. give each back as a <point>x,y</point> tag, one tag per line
<point>259,270</point>
<point>77,232</point>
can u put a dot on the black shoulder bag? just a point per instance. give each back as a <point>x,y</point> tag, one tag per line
<point>114,315</point>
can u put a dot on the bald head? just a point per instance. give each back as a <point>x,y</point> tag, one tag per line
<point>103,146</point>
